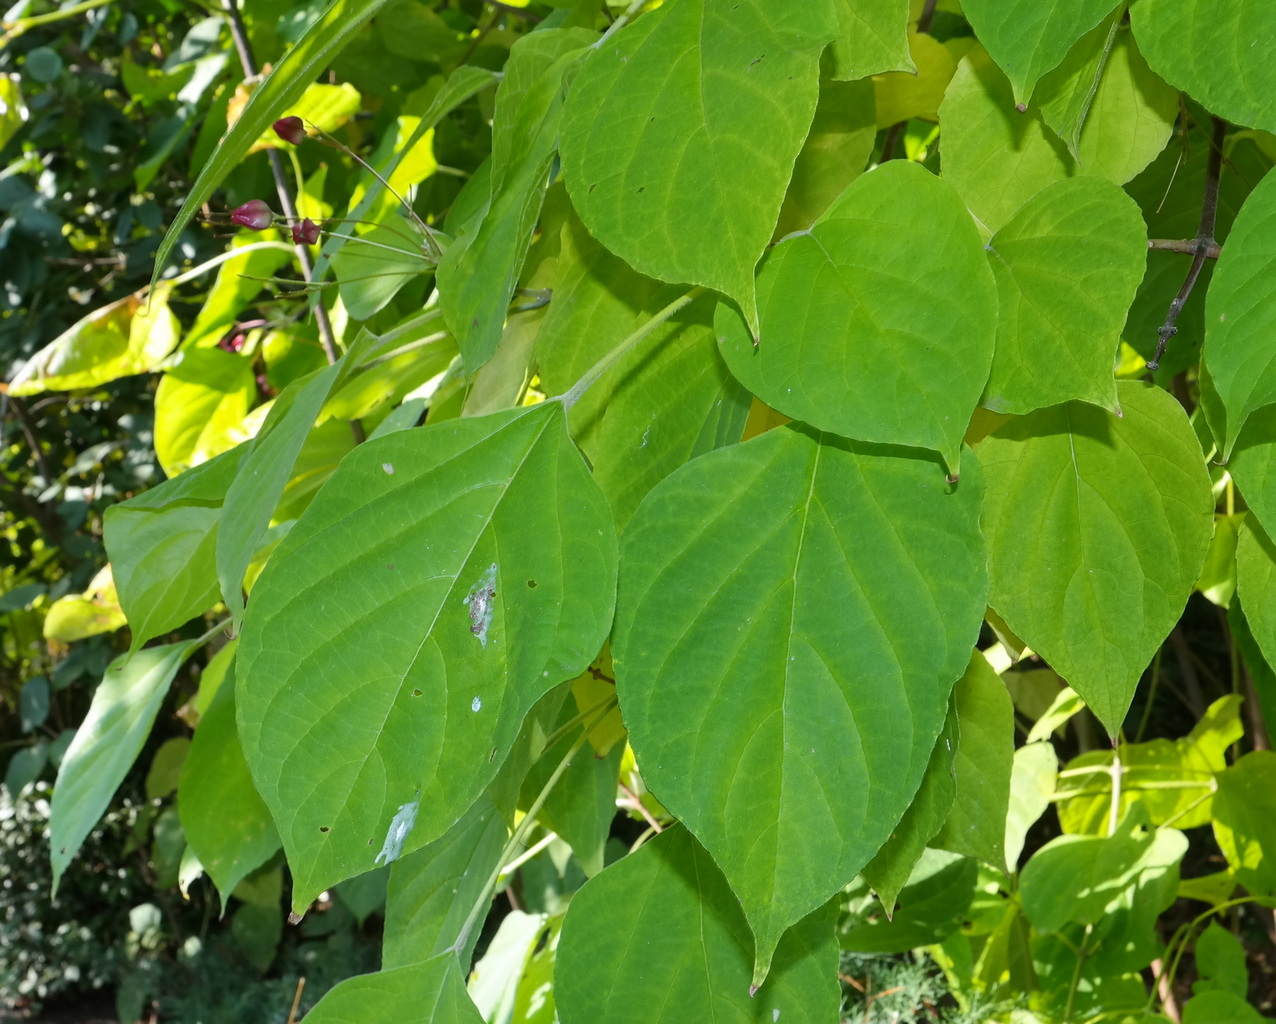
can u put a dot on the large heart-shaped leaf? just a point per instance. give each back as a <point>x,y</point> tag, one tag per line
<point>1239,311</point>
<point>768,658</point>
<point>1097,528</point>
<point>441,582</point>
<point>878,323</point>
<point>664,921</point>
<point>680,133</point>
<point>1067,266</point>
<point>1217,53</point>
<point>995,157</point>
<point>1027,38</point>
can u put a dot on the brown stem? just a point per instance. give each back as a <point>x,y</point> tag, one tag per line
<point>1187,671</point>
<point>1203,242</point>
<point>242,47</point>
<point>33,440</point>
<point>928,12</point>
<point>326,337</point>
<point>1187,246</point>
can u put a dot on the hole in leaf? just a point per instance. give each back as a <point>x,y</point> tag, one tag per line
<point>323,828</point>
<point>415,693</point>
<point>531,584</point>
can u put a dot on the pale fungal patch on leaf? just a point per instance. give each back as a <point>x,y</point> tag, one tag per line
<point>476,704</point>
<point>775,1014</point>
<point>400,827</point>
<point>388,467</point>
<point>481,601</point>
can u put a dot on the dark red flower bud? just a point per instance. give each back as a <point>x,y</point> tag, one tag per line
<point>233,342</point>
<point>305,233</point>
<point>290,129</point>
<point>253,214</point>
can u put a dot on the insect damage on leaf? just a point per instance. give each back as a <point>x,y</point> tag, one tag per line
<point>481,600</point>
<point>400,828</point>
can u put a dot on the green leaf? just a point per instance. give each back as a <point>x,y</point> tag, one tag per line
<point>1075,878</point>
<point>132,335</point>
<point>1097,529</point>
<point>1220,1008</point>
<point>872,37</point>
<point>976,826</point>
<point>1027,38</point>
<point>162,546</point>
<point>1260,672</point>
<point>1220,962</point>
<point>931,907</point>
<point>13,110</point>
<point>264,472</point>
<point>878,323</point>
<point>225,821</point>
<point>995,157</point>
<point>663,921</point>
<point>904,95</point>
<point>889,870</point>
<point>375,263</point>
<point>1104,102</point>
<point>580,808</point>
<point>166,767</point>
<point>1067,265</point>
<point>1217,54</point>
<point>107,743</point>
<point>200,406</point>
<point>432,889</point>
<point>1239,314</point>
<point>495,978</point>
<point>836,151</point>
<point>667,401</point>
<point>1184,767</point>
<point>1245,820</point>
<point>462,84</point>
<point>1032,783</point>
<point>680,133</point>
<point>441,581</point>
<point>282,87</point>
<point>238,281</point>
<point>433,991</point>
<point>480,270</point>
<point>786,653</point>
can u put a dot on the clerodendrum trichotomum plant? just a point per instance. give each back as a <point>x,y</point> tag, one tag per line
<point>803,426</point>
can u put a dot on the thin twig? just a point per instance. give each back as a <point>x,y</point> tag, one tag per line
<point>1187,246</point>
<point>928,12</point>
<point>1203,243</point>
<point>296,999</point>
<point>33,440</point>
<point>246,61</point>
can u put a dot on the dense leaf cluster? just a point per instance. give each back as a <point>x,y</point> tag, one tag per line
<point>789,491</point>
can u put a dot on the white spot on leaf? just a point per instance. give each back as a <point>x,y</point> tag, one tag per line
<point>400,827</point>
<point>482,602</point>
<point>388,467</point>
<point>476,704</point>
<point>775,1015</point>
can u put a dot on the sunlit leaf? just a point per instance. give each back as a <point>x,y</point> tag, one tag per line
<point>878,323</point>
<point>763,660</point>
<point>670,901</point>
<point>1097,528</point>
<point>1067,265</point>
<point>471,567</point>
<point>106,744</point>
<point>1217,54</point>
<point>680,133</point>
